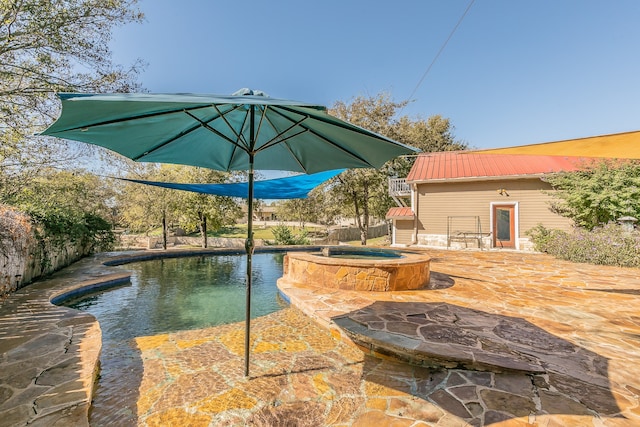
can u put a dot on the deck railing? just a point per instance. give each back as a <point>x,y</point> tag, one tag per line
<point>399,187</point>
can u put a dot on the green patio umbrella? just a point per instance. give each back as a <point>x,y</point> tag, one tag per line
<point>244,131</point>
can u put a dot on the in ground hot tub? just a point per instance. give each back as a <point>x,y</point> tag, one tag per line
<point>358,269</point>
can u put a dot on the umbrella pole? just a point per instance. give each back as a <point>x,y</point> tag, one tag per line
<point>249,246</point>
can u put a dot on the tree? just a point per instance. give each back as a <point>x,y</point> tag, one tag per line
<point>301,210</point>
<point>203,211</point>
<point>47,47</point>
<point>600,193</point>
<point>364,191</point>
<point>431,135</point>
<point>145,208</point>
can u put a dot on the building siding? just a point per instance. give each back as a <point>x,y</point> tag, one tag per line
<point>437,201</point>
<point>403,231</point>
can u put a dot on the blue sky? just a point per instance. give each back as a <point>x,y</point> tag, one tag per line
<point>515,72</point>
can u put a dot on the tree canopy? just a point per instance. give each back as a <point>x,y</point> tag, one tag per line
<point>602,192</point>
<point>68,205</point>
<point>47,47</point>
<point>363,192</point>
<point>50,46</point>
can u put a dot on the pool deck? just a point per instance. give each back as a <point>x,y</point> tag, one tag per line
<point>500,338</point>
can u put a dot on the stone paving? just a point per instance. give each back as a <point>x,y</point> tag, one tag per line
<point>551,343</point>
<point>49,354</point>
<point>499,338</point>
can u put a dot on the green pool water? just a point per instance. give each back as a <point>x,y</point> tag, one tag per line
<point>173,294</point>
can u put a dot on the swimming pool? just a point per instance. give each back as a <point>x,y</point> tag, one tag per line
<point>167,295</point>
<point>173,294</point>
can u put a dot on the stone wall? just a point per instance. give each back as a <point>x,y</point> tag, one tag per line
<point>23,258</point>
<point>353,233</point>
<point>410,272</point>
<point>440,241</point>
<point>136,241</point>
<point>155,242</point>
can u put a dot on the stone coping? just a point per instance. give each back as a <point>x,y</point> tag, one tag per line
<point>406,258</point>
<point>50,354</point>
<point>405,271</point>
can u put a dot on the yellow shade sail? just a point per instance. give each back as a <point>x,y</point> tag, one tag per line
<point>620,145</point>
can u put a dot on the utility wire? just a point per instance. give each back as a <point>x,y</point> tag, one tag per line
<point>415,89</point>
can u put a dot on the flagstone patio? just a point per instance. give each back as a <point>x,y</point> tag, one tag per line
<point>499,338</point>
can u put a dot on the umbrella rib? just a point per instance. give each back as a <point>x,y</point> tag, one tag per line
<point>164,143</point>
<point>186,132</point>
<point>240,143</point>
<point>132,118</point>
<point>344,150</point>
<point>279,138</point>
<point>214,130</point>
<point>240,137</point>
<point>263,117</point>
<point>338,122</point>
<point>283,141</point>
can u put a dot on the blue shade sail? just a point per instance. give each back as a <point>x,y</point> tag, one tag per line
<point>291,187</point>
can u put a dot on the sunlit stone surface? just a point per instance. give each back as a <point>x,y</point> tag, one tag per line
<point>578,324</point>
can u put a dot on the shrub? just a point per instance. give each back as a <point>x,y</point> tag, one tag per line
<point>59,226</point>
<point>606,245</point>
<point>284,236</point>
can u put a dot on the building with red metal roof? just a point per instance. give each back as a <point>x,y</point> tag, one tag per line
<point>458,165</point>
<point>466,199</point>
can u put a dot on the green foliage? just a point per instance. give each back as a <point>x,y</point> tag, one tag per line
<point>285,236</point>
<point>55,46</point>
<point>431,135</point>
<point>363,193</point>
<point>301,210</point>
<point>189,208</point>
<point>603,192</point>
<point>60,226</point>
<point>47,47</point>
<point>98,232</point>
<point>66,205</point>
<point>542,236</point>
<point>605,245</point>
<point>143,207</point>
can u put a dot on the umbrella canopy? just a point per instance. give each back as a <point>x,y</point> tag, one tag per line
<point>221,132</point>
<point>245,131</point>
<point>621,145</point>
<point>291,187</point>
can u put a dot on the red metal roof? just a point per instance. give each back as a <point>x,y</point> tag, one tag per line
<point>461,164</point>
<point>397,213</point>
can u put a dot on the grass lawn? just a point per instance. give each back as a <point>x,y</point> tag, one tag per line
<point>239,231</point>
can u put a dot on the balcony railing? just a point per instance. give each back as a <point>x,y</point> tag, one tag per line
<point>398,187</point>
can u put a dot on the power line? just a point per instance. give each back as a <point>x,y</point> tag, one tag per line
<point>415,89</point>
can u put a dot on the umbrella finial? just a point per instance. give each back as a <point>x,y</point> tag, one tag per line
<point>246,91</point>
